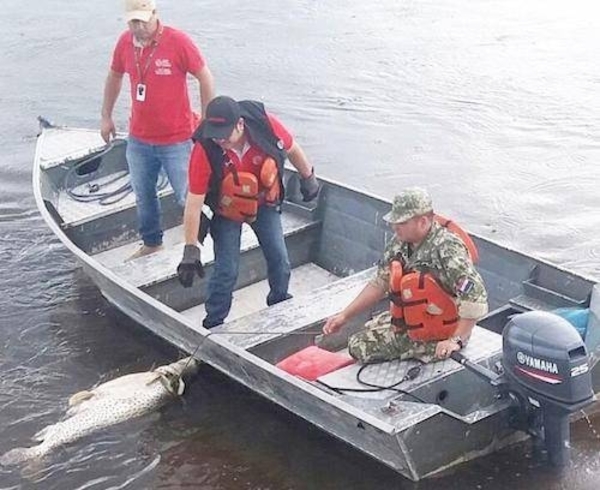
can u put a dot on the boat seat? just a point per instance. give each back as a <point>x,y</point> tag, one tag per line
<point>548,289</point>
<point>151,269</point>
<point>98,227</point>
<point>305,312</point>
<point>156,274</point>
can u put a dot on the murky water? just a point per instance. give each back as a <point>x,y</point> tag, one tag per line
<point>491,104</point>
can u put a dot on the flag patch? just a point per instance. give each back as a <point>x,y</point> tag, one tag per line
<point>464,285</point>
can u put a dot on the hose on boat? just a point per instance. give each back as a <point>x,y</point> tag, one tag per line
<point>411,374</point>
<point>93,190</point>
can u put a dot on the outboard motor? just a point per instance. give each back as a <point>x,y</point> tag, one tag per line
<point>546,364</point>
<point>545,371</point>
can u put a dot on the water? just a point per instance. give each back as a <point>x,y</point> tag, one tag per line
<point>490,104</point>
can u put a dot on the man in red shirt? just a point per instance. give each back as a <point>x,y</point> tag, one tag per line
<point>236,168</point>
<point>157,59</point>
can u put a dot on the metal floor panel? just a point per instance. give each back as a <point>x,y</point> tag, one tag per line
<point>303,310</point>
<point>253,298</point>
<point>483,344</point>
<point>116,256</point>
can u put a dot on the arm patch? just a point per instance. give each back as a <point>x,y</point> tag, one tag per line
<point>464,286</point>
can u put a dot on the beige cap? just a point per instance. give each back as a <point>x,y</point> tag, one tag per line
<point>139,10</point>
<point>412,202</point>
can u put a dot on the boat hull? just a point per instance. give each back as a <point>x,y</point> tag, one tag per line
<point>459,417</point>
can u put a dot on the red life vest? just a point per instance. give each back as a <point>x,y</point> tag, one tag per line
<point>239,196</point>
<point>420,306</point>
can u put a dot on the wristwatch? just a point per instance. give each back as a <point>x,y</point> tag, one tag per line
<point>458,341</point>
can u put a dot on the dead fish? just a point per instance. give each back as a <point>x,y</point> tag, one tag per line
<point>108,404</point>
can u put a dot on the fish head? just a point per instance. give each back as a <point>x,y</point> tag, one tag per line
<point>172,374</point>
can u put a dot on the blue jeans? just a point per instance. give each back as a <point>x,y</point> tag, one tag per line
<point>146,162</point>
<point>226,238</point>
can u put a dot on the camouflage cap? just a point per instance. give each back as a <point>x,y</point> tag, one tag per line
<point>412,202</point>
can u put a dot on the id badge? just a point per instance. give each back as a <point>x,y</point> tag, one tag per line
<point>140,92</point>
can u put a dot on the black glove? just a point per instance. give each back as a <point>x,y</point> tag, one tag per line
<point>309,187</point>
<point>190,265</point>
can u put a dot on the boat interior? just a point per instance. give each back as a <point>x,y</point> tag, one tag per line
<point>334,244</point>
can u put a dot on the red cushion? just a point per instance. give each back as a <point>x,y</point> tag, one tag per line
<point>312,362</point>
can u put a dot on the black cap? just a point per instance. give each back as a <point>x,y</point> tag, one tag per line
<point>222,114</point>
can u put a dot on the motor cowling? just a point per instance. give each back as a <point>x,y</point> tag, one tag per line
<point>545,362</point>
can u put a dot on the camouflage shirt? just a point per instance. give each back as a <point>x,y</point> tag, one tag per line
<point>444,255</point>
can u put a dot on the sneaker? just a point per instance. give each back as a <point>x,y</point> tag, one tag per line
<point>211,324</point>
<point>144,250</point>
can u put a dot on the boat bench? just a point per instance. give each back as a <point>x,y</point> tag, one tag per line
<point>264,332</point>
<point>98,228</point>
<point>544,288</point>
<point>156,274</point>
<point>548,288</point>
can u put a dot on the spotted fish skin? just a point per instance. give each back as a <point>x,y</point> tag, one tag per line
<point>110,403</point>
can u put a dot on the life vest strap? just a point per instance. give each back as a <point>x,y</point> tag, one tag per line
<point>415,302</point>
<point>234,174</point>
<point>396,299</point>
<point>397,322</point>
<point>244,196</point>
<point>402,325</point>
<point>451,321</point>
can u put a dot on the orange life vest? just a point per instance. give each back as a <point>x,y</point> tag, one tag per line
<point>238,200</point>
<point>240,191</point>
<point>462,234</point>
<point>269,179</point>
<point>420,305</point>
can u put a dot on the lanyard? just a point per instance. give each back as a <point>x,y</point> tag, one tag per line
<point>142,73</point>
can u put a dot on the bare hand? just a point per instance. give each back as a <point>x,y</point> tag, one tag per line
<point>334,323</point>
<point>444,348</point>
<point>107,129</point>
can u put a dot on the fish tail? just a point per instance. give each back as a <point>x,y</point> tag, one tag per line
<point>19,455</point>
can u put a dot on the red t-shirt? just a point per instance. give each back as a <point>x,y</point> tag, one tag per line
<point>165,116</point>
<point>251,161</point>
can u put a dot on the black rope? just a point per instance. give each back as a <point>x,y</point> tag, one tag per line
<point>94,191</point>
<point>265,332</point>
<point>234,332</point>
